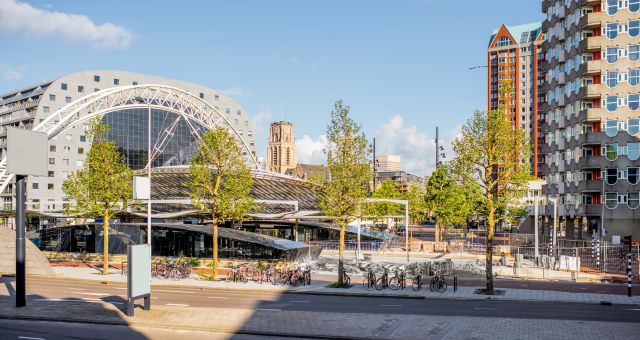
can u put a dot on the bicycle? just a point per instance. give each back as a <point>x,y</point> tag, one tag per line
<point>438,283</point>
<point>346,279</point>
<point>398,281</point>
<point>383,281</point>
<point>369,282</point>
<point>417,283</point>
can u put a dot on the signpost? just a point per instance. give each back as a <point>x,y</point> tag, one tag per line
<point>138,276</point>
<point>26,155</point>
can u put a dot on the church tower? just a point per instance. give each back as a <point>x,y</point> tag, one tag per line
<point>281,151</point>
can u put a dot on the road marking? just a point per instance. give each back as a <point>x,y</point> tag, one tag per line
<point>30,338</point>
<point>92,294</point>
<point>633,309</point>
<point>217,297</point>
<point>173,291</point>
<point>177,305</point>
<point>270,309</point>
<point>483,308</point>
<point>77,288</point>
<point>299,301</point>
<point>49,300</point>
<point>390,305</point>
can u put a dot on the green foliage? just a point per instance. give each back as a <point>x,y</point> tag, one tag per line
<point>338,285</point>
<point>220,181</point>
<point>445,200</point>
<point>261,265</point>
<point>104,186</point>
<point>418,209</point>
<point>193,261</point>
<point>388,189</point>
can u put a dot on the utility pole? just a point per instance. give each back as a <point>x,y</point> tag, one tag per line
<point>437,148</point>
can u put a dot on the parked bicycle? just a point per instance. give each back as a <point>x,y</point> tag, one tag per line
<point>438,283</point>
<point>398,280</point>
<point>383,281</point>
<point>417,283</point>
<point>369,281</point>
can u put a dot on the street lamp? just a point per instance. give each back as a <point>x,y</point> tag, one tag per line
<point>555,222</point>
<point>142,101</point>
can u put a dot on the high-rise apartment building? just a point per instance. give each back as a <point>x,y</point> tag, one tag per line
<point>386,163</point>
<point>592,112</point>
<point>281,150</point>
<point>513,57</point>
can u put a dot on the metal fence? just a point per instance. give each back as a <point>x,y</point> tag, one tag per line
<point>349,246</point>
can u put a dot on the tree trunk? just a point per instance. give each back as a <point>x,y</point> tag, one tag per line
<point>214,268</point>
<point>489,254</point>
<point>343,229</point>
<point>437,232</point>
<point>105,245</point>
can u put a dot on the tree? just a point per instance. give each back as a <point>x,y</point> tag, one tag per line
<point>347,159</point>
<point>104,186</point>
<point>388,189</point>
<point>445,200</point>
<point>493,158</point>
<point>415,194</point>
<point>220,182</point>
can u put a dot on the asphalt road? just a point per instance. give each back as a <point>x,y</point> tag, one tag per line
<point>46,330</point>
<point>40,290</point>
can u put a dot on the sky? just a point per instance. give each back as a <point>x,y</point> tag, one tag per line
<point>401,65</point>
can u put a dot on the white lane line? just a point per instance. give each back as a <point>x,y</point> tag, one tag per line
<point>633,309</point>
<point>29,338</point>
<point>483,308</point>
<point>172,291</point>
<point>177,304</point>
<point>77,288</point>
<point>390,305</point>
<point>92,294</point>
<point>270,309</point>
<point>49,300</point>
<point>299,301</point>
<point>217,297</point>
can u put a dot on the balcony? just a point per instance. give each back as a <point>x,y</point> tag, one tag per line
<point>590,115</point>
<point>590,209</point>
<point>595,43</point>
<point>590,162</point>
<point>590,138</point>
<point>592,20</point>
<point>593,67</point>
<point>590,186</point>
<point>591,91</point>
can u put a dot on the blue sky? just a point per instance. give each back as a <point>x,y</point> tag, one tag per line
<point>401,65</point>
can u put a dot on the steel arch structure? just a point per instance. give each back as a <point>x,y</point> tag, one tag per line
<point>186,105</point>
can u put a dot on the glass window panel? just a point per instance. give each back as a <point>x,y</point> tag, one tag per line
<point>612,103</point>
<point>633,151</point>
<point>634,52</point>
<point>612,78</point>
<point>611,152</point>
<point>634,101</point>
<point>634,77</point>
<point>633,200</point>
<point>611,127</point>
<point>634,28</point>
<point>634,5</point>
<point>612,30</point>
<point>634,126</point>
<point>611,200</point>
<point>612,54</point>
<point>612,176</point>
<point>633,174</point>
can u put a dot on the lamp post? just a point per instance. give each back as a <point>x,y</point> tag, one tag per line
<point>535,228</point>
<point>555,222</point>
<point>142,101</point>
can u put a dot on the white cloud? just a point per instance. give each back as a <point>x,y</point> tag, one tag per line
<point>310,150</point>
<point>19,17</point>
<point>10,73</point>
<point>261,122</point>
<point>235,92</point>
<point>416,148</point>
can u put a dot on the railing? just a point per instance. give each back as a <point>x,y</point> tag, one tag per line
<point>349,245</point>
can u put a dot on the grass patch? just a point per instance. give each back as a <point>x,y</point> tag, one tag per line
<point>338,285</point>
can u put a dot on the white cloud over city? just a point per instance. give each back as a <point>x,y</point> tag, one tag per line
<point>311,150</point>
<point>22,18</point>
<point>12,73</point>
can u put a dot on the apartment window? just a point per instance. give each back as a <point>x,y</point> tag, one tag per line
<point>612,30</point>
<point>52,97</point>
<point>612,78</point>
<point>634,52</point>
<point>201,95</point>
<point>65,161</point>
<point>611,176</point>
<point>634,28</point>
<point>633,175</point>
<point>633,200</point>
<point>50,186</point>
<point>216,97</point>
<point>612,7</point>
<point>52,161</point>
<point>79,164</point>
<point>611,200</point>
<point>634,5</point>
<point>239,113</point>
<point>634,77</point>
<point>96,78</point>
<point>51,174</point>
<point>612,54</point>
<point>68,137</point>
<point>116,81</point>
<point>63,86</point>
<point>45,109</point>
<point>80,151</point>
<point>611,151</point>
<point>633,101</point>
<point>52,148</point>
<point>67,99</point>
<point>135,83</point>
<point>633,151</point>
<point>611,127</point>
<point>67,149</point>
<point>227,110</point>
<point>80,88</point>
<point>633,126</point>
<point>34,186</point>
<point>611,103</point>
<point>96,89</point>
<point>83,138</point>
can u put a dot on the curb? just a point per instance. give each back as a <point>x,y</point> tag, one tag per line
<point>191,328</point>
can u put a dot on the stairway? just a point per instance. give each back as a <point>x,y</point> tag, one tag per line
<point>36,262</point>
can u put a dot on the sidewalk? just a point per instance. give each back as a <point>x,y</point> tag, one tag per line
<point>322,324</point>
<point>319,287</point>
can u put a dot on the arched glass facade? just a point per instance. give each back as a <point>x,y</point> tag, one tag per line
<point>129,127</point>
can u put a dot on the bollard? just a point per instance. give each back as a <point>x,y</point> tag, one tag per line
<point>629,275</point>
<point>455,283</point>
